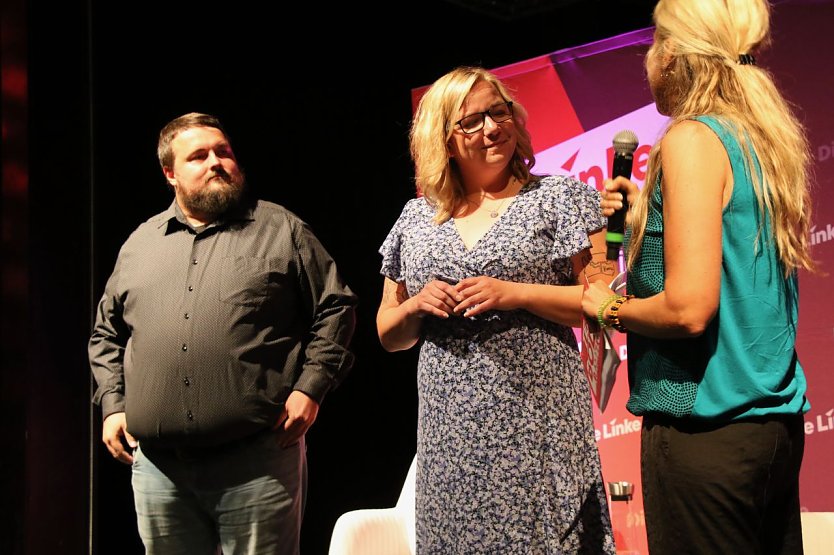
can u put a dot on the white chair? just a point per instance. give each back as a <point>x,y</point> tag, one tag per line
<point>388,531</point>
<point>818,533</point>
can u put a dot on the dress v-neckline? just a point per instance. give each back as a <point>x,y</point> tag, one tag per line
<point>492,226</point>
<point>480,239</point>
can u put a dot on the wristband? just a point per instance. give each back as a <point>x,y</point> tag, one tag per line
<point>615,308</point>
<point>605,304</point>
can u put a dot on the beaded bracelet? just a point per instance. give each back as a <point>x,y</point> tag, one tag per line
<point>605,304</point>
<point>615,308</point>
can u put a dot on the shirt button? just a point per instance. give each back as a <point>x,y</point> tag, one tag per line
<point>186,381</point>
<point>191,288</point>
<point>194,261</point>
<point>189,415</point>
<point>184,347</point>
<point>187,316</point>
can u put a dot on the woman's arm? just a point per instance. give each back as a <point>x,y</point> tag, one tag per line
<point>697,181</point>
<point>399,318</point>
<point>557,303</point>
<point>594,265</point>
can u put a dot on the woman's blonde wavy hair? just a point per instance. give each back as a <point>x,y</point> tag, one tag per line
<point>436,173</point>
<point>704,40</point>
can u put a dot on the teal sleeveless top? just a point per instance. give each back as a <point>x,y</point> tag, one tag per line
<point>745,363</point>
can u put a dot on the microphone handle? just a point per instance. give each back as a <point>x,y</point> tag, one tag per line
<point>616,222</point>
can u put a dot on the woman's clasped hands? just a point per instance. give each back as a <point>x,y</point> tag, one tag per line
<point>468,297</point>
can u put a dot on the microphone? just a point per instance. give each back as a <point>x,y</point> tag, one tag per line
<point>625,143</point>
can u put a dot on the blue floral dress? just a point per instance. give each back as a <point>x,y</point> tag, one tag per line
<point>506,456</point>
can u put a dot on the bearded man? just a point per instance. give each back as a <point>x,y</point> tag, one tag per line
<point>221,329</point>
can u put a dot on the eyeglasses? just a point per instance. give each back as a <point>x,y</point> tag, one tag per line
<point>475,122</point>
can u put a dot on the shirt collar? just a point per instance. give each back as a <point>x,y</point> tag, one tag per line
<point>175,219</point>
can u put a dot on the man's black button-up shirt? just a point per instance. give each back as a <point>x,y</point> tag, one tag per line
<point>201,334</point>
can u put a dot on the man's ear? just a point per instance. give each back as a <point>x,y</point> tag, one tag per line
<point>169,176</point>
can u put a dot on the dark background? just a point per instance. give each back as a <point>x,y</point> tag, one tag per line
<point>317,101</point>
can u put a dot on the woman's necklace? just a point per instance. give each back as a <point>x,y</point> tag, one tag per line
<point>496,210</point>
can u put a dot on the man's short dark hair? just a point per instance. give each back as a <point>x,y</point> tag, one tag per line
<point>175,126</point>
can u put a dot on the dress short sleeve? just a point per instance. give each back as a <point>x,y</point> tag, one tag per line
<point>575,212</point>
<point>391,247</point>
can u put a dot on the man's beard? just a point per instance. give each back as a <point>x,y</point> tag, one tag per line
<point>213,200</point>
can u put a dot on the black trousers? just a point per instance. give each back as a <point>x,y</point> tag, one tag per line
<point>732,488</point>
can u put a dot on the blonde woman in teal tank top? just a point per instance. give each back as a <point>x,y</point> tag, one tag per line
<point>715,241</point>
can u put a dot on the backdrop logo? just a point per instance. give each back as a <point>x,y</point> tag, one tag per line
<point>822,423</point>
<point>617,428</point>
<point>824,152</point>
<point>589,156</point>
<point>822,235</point>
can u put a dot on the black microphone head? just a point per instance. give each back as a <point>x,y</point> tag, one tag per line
<point>625,142</point>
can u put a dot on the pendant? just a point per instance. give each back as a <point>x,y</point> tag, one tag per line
<point>493,214</point>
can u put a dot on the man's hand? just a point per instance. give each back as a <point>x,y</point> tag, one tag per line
<point>299,413</point>
<point>113,430</point>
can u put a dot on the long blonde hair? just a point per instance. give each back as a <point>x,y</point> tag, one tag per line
<point>437,176</point>
<point>705,39</point>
